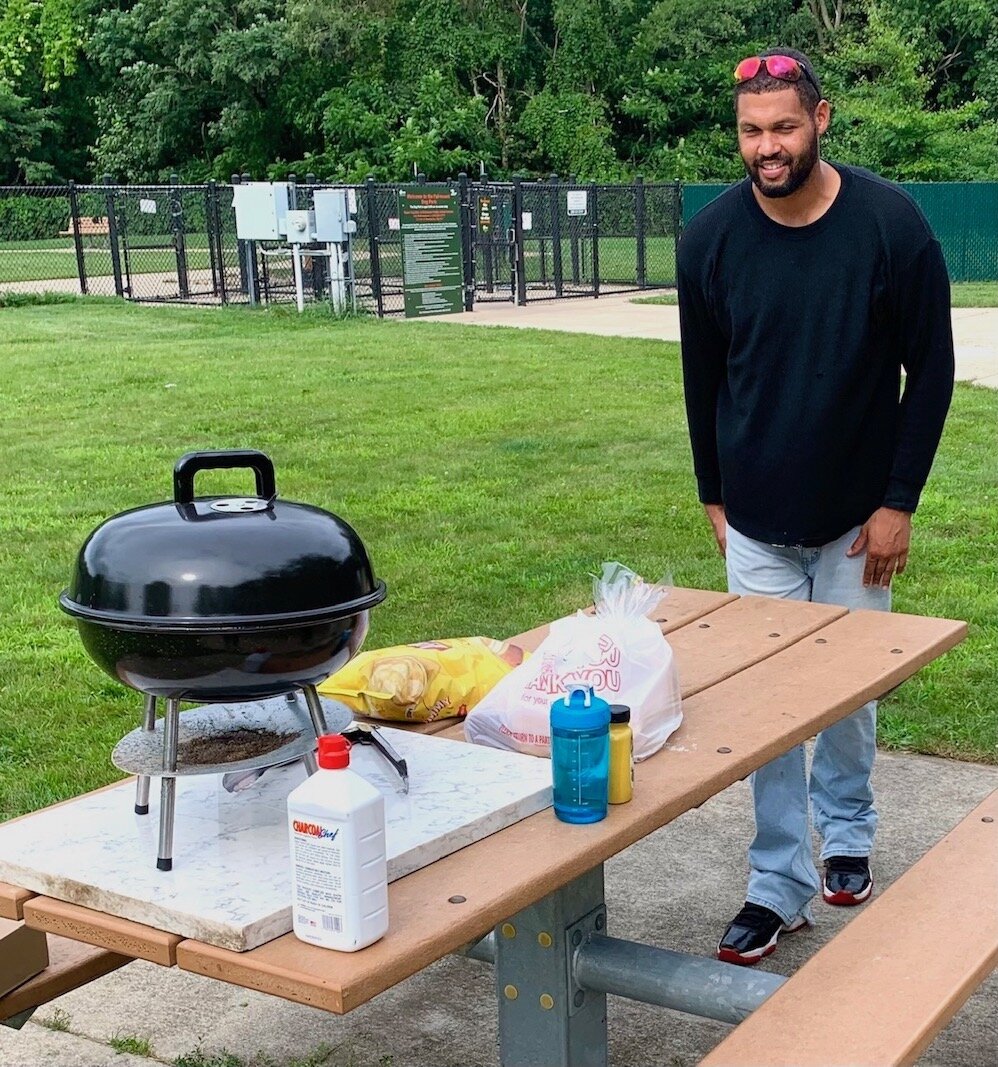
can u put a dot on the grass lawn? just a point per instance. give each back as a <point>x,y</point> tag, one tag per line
<point>489,472</point>
<point>962,295</point>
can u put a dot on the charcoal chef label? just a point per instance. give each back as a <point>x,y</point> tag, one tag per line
<point>317,860</point>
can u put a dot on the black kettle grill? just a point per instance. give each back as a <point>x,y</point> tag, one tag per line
<point>215,599</point>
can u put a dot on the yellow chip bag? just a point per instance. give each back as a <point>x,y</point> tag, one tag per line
<point>425,681</point>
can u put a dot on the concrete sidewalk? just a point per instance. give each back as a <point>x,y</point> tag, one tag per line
<point>676,889</point>
<point>975,330</point>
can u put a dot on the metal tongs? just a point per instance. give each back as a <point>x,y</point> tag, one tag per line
<point>366,733</point>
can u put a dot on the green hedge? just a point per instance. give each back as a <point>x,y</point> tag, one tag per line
<point>36,217</point>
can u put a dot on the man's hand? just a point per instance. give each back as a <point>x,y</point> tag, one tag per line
<point>886,536</point>
<point>715,512</point>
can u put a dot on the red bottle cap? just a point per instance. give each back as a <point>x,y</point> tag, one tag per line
<point>334,752</point>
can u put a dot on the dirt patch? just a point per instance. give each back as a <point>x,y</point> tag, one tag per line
<point>231,747</point>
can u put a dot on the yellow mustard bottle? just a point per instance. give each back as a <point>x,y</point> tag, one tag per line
<point>621,786</point>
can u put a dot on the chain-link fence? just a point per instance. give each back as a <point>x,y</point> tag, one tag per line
<point>520,241</point>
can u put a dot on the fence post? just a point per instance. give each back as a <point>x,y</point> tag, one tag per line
<point>467,240</point>
<point>112,234</point>
<point>487,242</point>
<point>374,251</point>
<point>556,236</point>
<point>179,243</point>
<point>519,273</point>
<point>639,230</point>
<point>241,254</point>
<point>677,221</point>
<point>595,233</point>
<point>74,214</point>
<point>573,232</point>
<point>215,238</point>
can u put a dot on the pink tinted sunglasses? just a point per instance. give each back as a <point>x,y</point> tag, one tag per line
<point>785,68</point>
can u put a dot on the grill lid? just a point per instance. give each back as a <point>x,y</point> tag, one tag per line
<point>217,562</point>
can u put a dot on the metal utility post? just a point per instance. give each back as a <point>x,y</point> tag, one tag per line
<point>252,274</point>
<point>214,225</point>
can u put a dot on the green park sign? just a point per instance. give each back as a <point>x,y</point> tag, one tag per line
<point>432,266</point>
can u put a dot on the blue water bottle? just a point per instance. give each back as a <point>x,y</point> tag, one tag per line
<point>580,755</point>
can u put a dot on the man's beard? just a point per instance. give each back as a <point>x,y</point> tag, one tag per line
<point>798,171</point>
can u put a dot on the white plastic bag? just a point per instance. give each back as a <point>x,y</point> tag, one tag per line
<point>619,651</point>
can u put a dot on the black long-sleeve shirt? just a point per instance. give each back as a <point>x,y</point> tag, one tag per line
<point>793,343</point>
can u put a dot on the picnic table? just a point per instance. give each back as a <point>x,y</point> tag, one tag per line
<point>758,677</point>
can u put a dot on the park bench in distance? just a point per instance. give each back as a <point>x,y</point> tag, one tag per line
<point>90,226</point>
<point>882,988</point>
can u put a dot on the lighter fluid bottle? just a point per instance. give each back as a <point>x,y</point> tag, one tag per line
<point>339,875</point>
<point>580,750</point>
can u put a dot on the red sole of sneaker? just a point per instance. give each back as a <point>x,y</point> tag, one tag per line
<point>728,955</point>
<point>846,900</point>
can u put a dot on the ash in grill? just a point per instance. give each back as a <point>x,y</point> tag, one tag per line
<point>221,600</point>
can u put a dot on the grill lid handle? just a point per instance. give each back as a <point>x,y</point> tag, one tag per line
<point>188,465</point>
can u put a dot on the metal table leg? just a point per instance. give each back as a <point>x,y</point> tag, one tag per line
<point>142,783</point>
<point>168,785</point>
<point>545,1018</point>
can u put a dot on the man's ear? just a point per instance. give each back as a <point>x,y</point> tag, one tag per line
<point>822,116</point>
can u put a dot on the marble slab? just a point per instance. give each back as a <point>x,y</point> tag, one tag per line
<point>230,885</point>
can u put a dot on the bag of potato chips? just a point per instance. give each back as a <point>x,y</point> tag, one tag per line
<point>425,681</point>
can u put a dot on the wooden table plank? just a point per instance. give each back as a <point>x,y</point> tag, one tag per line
<point>71,965</point>
<point>679,608</point>
<point>713,647</point>
<point>752,716</point>
<point>105,931</point>
<point>12,901</point>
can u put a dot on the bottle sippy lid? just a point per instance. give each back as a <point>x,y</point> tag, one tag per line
<point>334,752</point>
<point>581,709</point>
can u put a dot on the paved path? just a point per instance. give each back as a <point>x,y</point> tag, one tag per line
<point>975,330</point>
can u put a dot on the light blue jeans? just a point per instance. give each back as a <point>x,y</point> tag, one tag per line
<point>783,876</point>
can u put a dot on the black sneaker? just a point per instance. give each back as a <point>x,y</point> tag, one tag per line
<point>752,935</point>
<point>847,880</point>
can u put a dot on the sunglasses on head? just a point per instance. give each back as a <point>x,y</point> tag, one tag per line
<point>784,68</point>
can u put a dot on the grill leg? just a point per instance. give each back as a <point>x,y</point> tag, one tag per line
<point>142,784</point>
<point>168,785</point>
<point>318,724</point>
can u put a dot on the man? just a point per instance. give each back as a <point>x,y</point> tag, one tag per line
<point>803,292</point>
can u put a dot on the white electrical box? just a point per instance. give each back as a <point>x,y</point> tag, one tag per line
<point>332,216</point>
<point>261,210</point>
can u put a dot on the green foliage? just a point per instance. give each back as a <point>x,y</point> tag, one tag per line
<point>33,218</point>
<point>602,88</point>
<point>569,133</point>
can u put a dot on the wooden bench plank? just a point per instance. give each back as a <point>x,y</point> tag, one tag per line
<point>71,965</point>
<point>12,901</point>
<point>730,729</point>
<point>878,992</point>
<point>132,939</point>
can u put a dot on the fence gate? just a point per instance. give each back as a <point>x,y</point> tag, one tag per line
<point>559,240</point>
<point>492,242</point>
